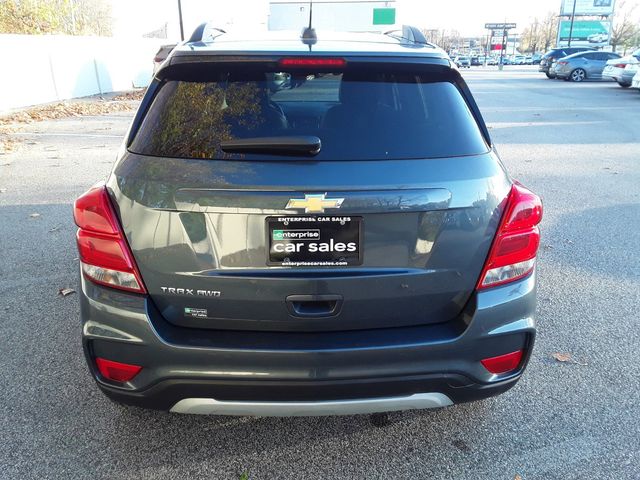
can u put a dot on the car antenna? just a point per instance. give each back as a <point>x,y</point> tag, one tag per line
<point>309,36</point>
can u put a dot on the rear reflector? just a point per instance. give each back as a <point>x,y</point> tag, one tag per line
<point>116,371</point>
<point>620,65</point>
<point>502,363</point>
<point>312,62</point>
<point>105,256</point>
<point>513,253</point>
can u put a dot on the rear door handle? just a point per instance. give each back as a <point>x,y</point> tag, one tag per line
<point>314,306</point>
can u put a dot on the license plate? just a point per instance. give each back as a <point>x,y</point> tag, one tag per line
<point>314,241</point>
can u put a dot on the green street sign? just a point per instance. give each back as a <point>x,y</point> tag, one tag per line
<point>384,16</point>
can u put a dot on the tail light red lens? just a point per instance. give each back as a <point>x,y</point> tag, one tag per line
<point>563,63</point>
<point>116,371</point>
<point>619,65</point>
<point>105,256</point>
<point>513,253</point>
<point>503,363</point>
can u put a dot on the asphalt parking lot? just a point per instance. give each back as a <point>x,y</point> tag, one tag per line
<point>577,145</point>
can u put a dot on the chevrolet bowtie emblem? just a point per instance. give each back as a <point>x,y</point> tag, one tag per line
<point>314,203</point>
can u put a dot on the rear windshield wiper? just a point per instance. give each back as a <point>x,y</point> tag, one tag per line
<point>295,145</point>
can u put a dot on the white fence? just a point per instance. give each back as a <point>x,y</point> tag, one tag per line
<point>45,68</point>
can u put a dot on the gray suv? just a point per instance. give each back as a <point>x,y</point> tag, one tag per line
<point>307,226</point>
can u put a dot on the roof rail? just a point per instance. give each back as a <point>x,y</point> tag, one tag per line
<point>409,34</point>
<point>205,32</point>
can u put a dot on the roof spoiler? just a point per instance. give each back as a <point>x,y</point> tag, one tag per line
<point>205,32</point>
<point>409,34</point>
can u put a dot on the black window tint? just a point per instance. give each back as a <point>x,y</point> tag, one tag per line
<point>355,115</point>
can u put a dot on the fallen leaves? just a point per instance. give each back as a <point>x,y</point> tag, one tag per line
<point>66,291</point>
<point>517,477</point>
<point>566,358</point>
<point>130,96</point>
<point>7,144</point>
<point>75,108</point>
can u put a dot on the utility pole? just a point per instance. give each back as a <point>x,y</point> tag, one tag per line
<point>180,19</point>
<point>573,15</point>
<point>503,46</point>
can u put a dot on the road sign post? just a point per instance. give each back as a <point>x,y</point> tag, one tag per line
<point>505,27</point>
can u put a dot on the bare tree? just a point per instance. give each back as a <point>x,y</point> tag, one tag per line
<point>540,34</point>
<point>625,30</point>
<point>530,37</point>
<point>70,17</point>
<point>549,34</point>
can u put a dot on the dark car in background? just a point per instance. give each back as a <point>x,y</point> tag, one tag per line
<point>463,62</point>
<point>583,66</point>
<point>555,54</point>
<point>345,241</point>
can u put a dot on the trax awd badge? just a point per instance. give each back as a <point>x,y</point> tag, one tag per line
<point>191,292</point>
<point>314,203</point>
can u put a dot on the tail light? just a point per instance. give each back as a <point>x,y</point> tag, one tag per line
<point>620,65</point>
<point>513,253</point>
<point>105,256</point>
<point>563,63</point>
<point>116,371</point>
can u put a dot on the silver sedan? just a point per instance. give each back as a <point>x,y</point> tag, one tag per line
<point>583,65</point>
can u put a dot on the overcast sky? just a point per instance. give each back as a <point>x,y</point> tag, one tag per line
<point>466,16</point>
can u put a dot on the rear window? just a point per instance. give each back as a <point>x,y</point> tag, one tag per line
<point>355,115</point>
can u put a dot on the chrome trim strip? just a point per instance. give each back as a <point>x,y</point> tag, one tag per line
<point>209,406</point>
<point>276,202</point>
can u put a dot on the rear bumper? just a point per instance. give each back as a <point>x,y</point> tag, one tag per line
<point>613,74</point>
<point>270,373</point>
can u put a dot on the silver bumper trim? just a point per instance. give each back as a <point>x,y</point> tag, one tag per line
<point>209,406</point>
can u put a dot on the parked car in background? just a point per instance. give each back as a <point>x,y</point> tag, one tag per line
<point>535,58</point>
<point>635,82</point>
<point>463,62</point>
<point>475,61</point>
<point>629,72</point>
<point>583,66</point>
<point>615,68</point>
<point>162,55</point>
<point>519,60</point>
<point>556,53</point>
<point>492,61</point>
